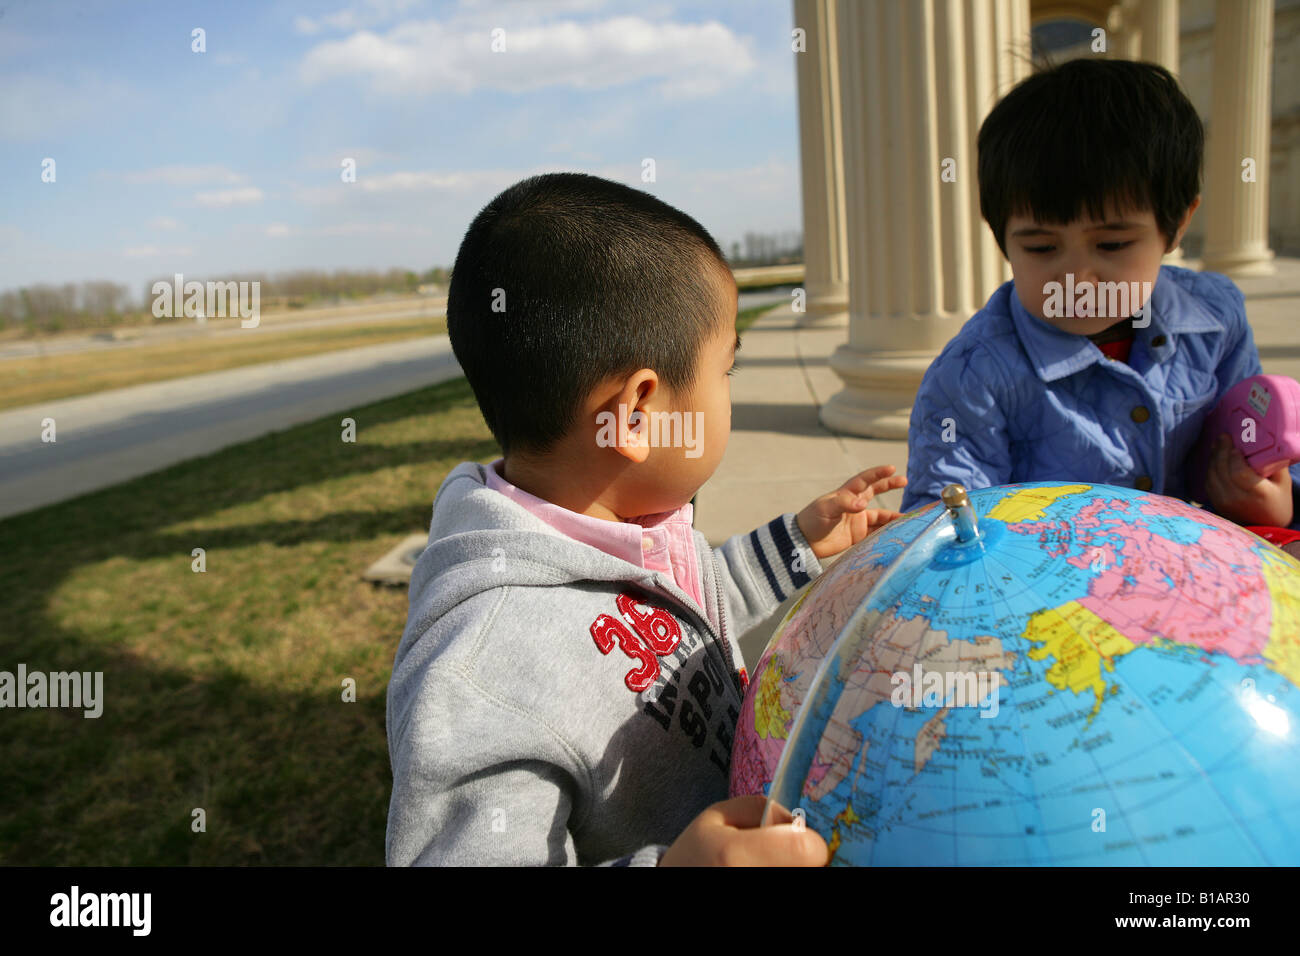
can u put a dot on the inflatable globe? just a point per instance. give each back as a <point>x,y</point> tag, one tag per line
<point>1038,674</point>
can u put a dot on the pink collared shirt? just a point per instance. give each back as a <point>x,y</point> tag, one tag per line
<point>660,542</point>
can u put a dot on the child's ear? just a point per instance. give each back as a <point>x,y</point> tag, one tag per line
<point>631,413</point>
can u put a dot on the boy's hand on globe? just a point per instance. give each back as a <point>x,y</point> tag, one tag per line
<point>1239,493</point>
<point>728,834</point>
<point>841,519</point>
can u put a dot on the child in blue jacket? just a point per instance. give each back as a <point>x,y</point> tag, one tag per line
<point>1095,363</point>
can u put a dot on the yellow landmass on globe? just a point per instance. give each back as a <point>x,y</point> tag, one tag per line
<point>1283,647</point>
<point>1032,504</point>
<point>1081,643</point>
<point>848,818</point>
<point>770,718</point>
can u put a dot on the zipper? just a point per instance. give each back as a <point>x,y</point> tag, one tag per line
<point>722,625</point>
<point>708,625</point>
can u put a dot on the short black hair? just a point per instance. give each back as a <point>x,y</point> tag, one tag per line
<point>1087,131</point>
<point>598,280</point>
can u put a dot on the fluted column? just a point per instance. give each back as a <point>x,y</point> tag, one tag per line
<point>825,252</point>
<point>1158,24</point>
<point>1241,113</point>
<point>917,78</point>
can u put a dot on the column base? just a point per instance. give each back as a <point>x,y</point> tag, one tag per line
<point>1244,263</point>
<point>824,314</point>
<point>879,388</point>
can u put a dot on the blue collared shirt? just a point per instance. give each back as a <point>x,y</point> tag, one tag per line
<point>1012,398</point>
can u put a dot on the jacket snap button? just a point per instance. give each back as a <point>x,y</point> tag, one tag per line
<point>1158,341</point>
<point>1140,414</point>
<point>1143,483</point>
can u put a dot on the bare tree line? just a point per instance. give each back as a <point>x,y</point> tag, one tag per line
<point>47,307</point>
<point>766,249</point>
<point>44,308</point>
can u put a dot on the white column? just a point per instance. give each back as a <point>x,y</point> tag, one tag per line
<point>1158,23</point>
<point>916,80</point>
<point>825,247</point>
<point>1125,27</point>
<point>1241,114</point>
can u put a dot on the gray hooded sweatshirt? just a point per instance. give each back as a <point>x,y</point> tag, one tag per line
<point>553,704</point>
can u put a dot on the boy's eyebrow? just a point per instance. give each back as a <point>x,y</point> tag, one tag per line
<point>1108,227</point>
<point>736,347</point>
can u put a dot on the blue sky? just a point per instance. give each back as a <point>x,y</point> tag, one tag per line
<point>228,161</point>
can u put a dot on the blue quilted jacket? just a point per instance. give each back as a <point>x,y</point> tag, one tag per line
<point>1011,398</point>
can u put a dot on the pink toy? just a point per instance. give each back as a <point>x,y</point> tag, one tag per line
<point>1262,417</point>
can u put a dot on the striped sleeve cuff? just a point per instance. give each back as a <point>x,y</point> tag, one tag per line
<point>784,556</point>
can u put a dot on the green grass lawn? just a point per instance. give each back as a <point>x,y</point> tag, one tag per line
<point>223,689</point>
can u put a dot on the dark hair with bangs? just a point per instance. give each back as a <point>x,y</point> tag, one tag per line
<point>598,280</point>
<point>1085,132</point>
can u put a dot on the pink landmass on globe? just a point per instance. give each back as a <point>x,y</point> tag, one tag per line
<point>1190,593</point>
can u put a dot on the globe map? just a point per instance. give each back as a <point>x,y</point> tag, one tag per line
<point>1135,668</point>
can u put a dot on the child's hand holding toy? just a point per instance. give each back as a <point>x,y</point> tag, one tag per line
<point>1247,444</point>
<point>841,518</point>
<point>1238,492</point>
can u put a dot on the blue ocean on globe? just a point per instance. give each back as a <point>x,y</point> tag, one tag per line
<point>1048,673</point>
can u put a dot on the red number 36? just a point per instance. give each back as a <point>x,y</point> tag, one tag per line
<point>657,634</point>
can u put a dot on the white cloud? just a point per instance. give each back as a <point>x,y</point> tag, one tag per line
<point>471,181</point>
<point>431,180</point>
<point>229,197</point>
<point>368,13</point>
<point>421,57</point>
<point>762,196</point>
<point>183,175</point>
<point>279,230</point>
<point>772,178</point>
<point>163,222</point>
<point>152,252</point>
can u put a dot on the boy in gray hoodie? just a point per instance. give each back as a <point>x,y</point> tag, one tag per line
<point>569,680</point>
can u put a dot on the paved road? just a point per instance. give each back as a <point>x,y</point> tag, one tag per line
<point>107,438</point>
<point>112,436</point>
